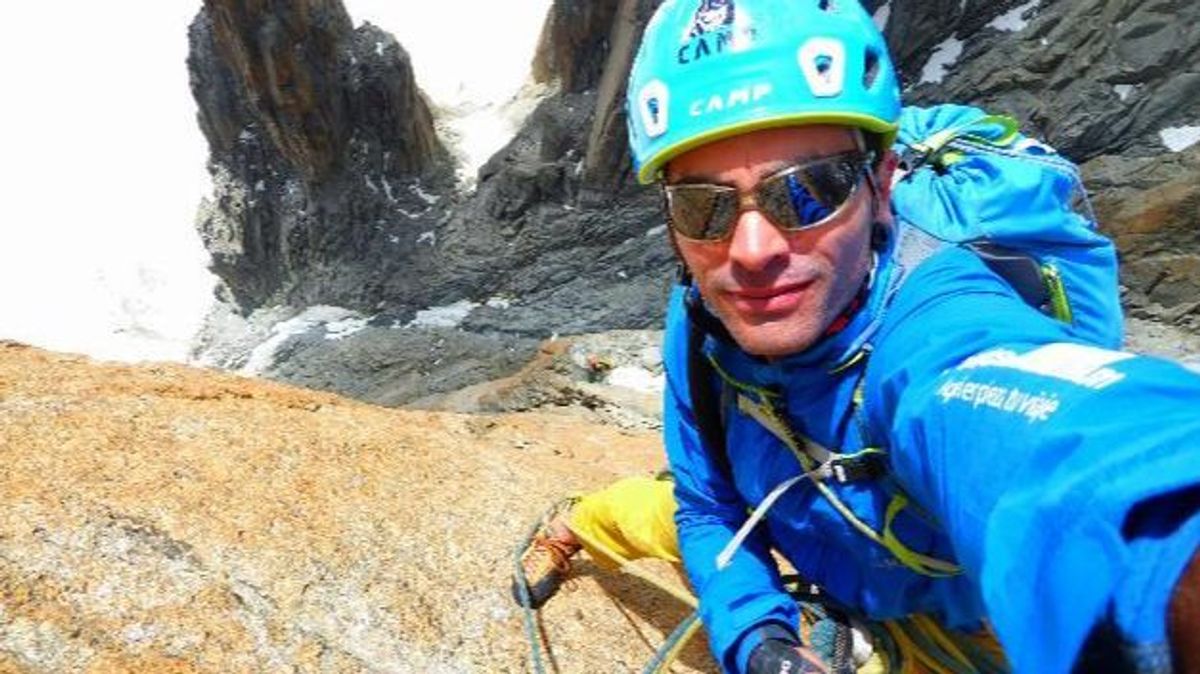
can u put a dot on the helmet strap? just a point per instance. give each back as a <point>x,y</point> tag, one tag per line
<point>682,275</point>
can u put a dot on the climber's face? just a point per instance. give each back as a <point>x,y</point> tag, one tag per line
<point>779,290</point>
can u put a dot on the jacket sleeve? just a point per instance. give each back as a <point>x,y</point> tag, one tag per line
<point>1067,476</point>
<point>742,602</point>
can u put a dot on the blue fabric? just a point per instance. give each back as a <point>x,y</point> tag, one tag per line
<point>1027,448</point>
<point>1023,196</point>
<point>708,515</point>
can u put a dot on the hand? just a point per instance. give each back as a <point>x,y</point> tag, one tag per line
<point>775,656</point>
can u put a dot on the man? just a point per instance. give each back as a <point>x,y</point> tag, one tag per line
<point>1033,482</point>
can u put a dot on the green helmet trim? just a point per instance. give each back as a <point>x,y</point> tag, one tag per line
<point>651,171</point>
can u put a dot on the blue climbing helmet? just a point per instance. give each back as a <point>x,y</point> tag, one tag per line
<point>710,69</point>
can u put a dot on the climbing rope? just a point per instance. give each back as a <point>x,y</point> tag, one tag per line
<point>529,617</point>
<point>669,651</point>
<point>664,656</point>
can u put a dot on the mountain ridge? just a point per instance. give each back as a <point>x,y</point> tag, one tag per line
<point>555,237</point>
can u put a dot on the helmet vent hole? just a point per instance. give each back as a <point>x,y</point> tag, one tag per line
<point>825,5</point>
<point>871,69</point>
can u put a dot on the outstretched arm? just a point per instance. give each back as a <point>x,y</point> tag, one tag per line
<point>1065,475</point>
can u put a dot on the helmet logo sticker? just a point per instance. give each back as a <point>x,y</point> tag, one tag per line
<point>716,28</point>
<point>653,102</point>
<point>734,98</point>
<point>712,15</point>
<point>823,62</point>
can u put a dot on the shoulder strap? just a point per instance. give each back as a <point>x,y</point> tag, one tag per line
<point>1020,269</point>
<point>706,399</point>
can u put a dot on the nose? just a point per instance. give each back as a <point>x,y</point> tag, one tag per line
<point>756,243</point>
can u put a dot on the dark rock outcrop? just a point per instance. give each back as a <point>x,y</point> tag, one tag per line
<point>1063,73</point>
<point>1150,206</point>
<point>556,228</point>
<point>320,144</point>
<point>588,46</point>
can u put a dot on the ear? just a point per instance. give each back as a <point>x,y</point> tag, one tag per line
<point>884,173</point>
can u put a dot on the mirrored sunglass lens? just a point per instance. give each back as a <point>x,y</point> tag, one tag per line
<point>833,182</point>
<point>701,211</point>
<point>789,204</point>
<point>809,194</point>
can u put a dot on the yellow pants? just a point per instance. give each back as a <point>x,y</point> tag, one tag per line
<point>635,519</point>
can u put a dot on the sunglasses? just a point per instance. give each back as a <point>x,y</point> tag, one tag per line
<point>795,198</point>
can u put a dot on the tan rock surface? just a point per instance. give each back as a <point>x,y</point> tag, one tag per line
<point>166,519</point>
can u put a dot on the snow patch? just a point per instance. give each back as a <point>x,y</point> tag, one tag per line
<point>1012,20</point>
<point>263,355</point>
<point>84,268</point>
<point>1180,138</point>
<point>478,102</point>
<point>498,302</point>
<point>944,56</point>
<point>637,379</point>
<point>428,198</point>
<point>429,237</point>
<point>1123,90</point>
<point>339,330</point>
<point>882,15</point>
<point>476,130</point>
<point>448,316</point>
<point>656,231</point>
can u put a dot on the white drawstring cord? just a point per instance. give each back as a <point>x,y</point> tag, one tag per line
<point>820,472</point>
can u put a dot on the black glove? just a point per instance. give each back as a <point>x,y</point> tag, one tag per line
<point>776,656</point>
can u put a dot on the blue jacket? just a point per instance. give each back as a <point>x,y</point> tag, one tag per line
<point>1028,450</point>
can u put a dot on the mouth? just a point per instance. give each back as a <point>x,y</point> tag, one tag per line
<point>781,299</point>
